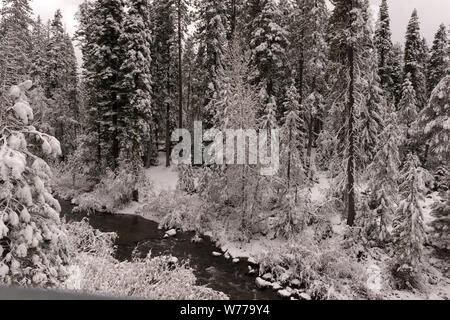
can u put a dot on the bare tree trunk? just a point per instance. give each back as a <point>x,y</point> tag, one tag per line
<point>289,159</point>
<point>233,17</point>
<point>149,157</point>
<point>115,137</point>
<point>168,146</point>
<point>351,211</point>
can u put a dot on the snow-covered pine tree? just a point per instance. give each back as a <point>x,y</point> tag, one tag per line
<point>348,50</point>
<point>32,240</point>
<point>136,87</point>
<point>38,74</point>
<point>407,107</point>
<point>308,54</point>
<point>409,234</point>
<point>441,223</point>
<point>415,65</point>
<point>212,41</point>
<point>397,72</point>
<point>61,83</point>
<point>105,58</point>
<point>39,52</point>
<point>439,60</point>
<point>15,42</point>
<point>372,111</point>
<point>91,137</point>
<point>268,45</point>
<point>383,173</point>
<point>292,141</point>
<point>435,121</point>
<point>164,69</point>
<point>384,46</point>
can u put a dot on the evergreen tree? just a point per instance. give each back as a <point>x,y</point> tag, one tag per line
<point>15,42</point>
<point>441,223</point>
<point>32,240</point>
<point>308,55</point>
<point>103,58</point>
<point>39,53</point>
<point>61,83</point>
<point>164,69</point>
<point>414,59</point>
<point>409,233</point>
<point>212,42</point>
<point>397,72</point>
<point>439,60</point>
<point>93,138</point>
<point>136,86</point>
<point>349,45</point>
<point>384,48</point>
<point>292,141</point>
<point>435,119</point>
<point>407,107</point>
<point>372,111</point>
<point>268,45</point>
<point>383,173</point>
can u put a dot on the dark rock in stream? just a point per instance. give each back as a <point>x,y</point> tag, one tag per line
<point>135,232</point>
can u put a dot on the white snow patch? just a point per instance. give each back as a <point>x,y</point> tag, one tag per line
<point>374,281</point>
<point>318,191</point>
<point>163,178</point>
<point>74,280</point>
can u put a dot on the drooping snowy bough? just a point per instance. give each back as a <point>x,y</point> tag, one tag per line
<point>32,240</point>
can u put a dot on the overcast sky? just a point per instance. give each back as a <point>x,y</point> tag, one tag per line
<point>431,14</point>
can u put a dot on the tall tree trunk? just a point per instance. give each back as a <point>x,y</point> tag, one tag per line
<point>149,157</point>
<point>233,17</point>
<point>168,146</point>
<point>115,137</point>
<point>311,136</point>
<point>289,159</point>
<point>351,211</point>
<point>180,70</point>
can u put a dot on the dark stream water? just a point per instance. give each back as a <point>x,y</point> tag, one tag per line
<point>217,273</point>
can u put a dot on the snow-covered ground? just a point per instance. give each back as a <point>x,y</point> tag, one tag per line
<point>165,180</point>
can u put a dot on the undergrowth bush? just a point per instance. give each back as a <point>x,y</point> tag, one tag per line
<point>114,191</point>
<point>149,278</point>
<point>324,271</point>
<point>176,209</point>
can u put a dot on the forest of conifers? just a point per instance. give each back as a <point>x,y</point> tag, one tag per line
<point>358,208</point>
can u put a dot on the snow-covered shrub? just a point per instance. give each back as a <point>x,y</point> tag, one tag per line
<point>324,270</point>
<point>85,239</point>
<point>186,181</point>
<point>149,278</point>
<point>115,190</point>
<point>176,210</point>
<point>32,242</point>
<point>78,173</point>
<point>292,216</point>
